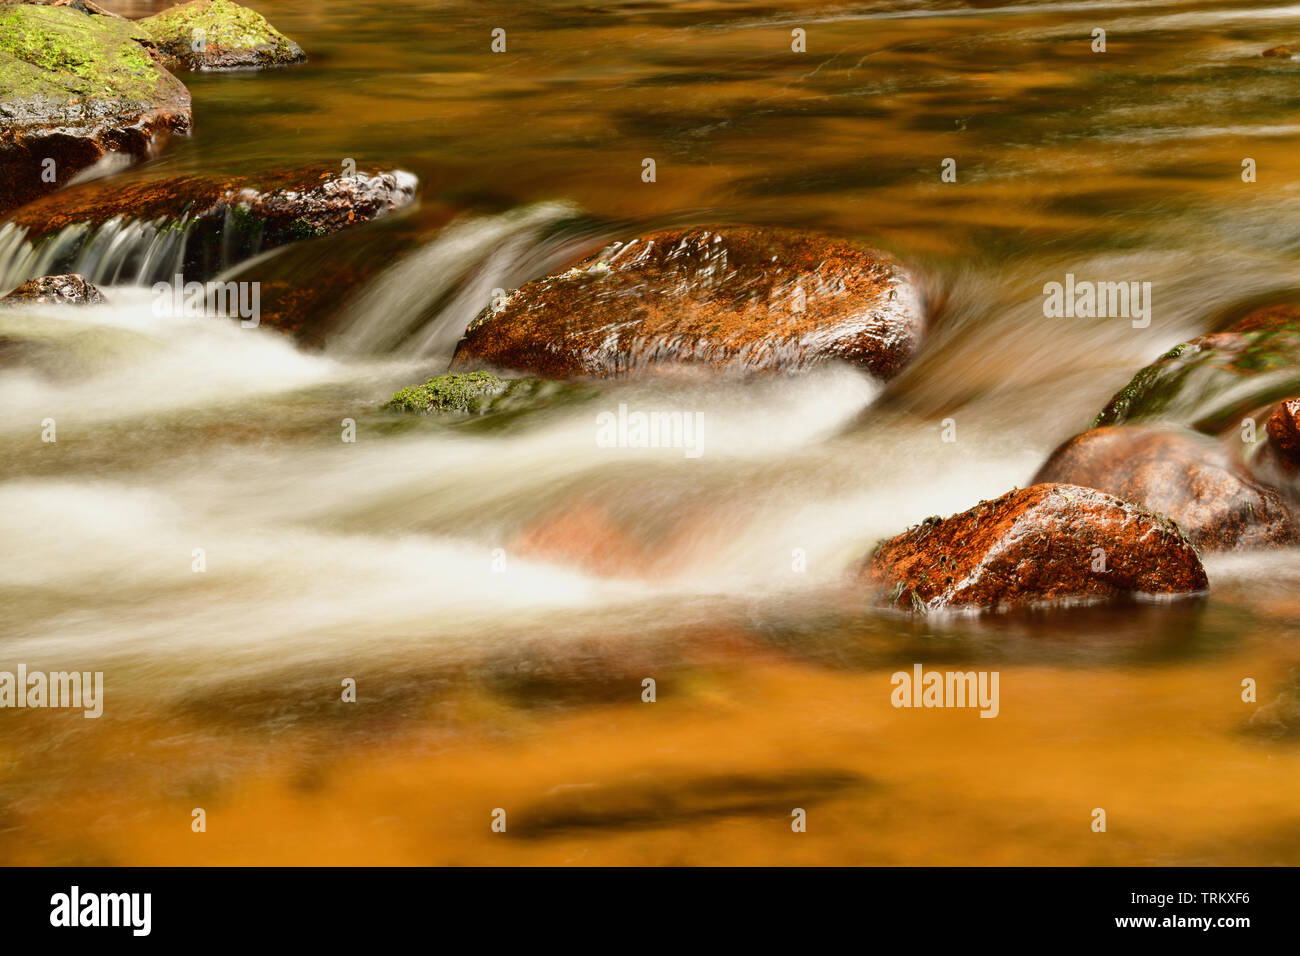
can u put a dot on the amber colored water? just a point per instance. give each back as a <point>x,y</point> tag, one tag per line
<point>521,690</point>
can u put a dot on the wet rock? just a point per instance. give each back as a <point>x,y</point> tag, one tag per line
<point>1214,381</point>
<point>1284,431</point>
<point>227,220</point>
<point>586,534</point>
<point>75,88</point>
<point>1048,543</point>
<point>1280,51</point>
<point>230,37</point>
<point>1187,476</point>
<point>61,290</point>
<point>738,299</point>
<point>681,538</point>
<point>475,393</point>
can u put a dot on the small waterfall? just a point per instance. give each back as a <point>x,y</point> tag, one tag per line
<point>119,252</point>
<point>424,303</point>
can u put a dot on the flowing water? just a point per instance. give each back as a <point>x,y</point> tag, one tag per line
<point>499,588</point>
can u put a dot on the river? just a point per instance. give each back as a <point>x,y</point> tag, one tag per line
<point>499,590</point>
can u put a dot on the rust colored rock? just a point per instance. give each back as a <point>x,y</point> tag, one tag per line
<point>1189,477</point>
<point>229,219</point>
<point>1048,543</point>
<point>60,290</point>
<point>1284,431</point>
<point>75,88</point>
<point>740,299</point>
<point>584,534</point>
<point>582,531</point>
<point>1282,51</point>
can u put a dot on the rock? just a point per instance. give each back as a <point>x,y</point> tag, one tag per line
<point>585,533</point>
<point>1214,381</point>
<point>584,527</point>
<point>76,88</point>
<point>475,393</point>
<point>62,290</point>
<point>227,220</point>
<point>1189,477</point>
<point>233,38</point>
<point>741,299</point>
<point>1284,431</point>
<point>1048,543</point>
<point>1281,51</point>
<point>1276,459</point>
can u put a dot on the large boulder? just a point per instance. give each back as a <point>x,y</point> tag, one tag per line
<point>55,290</point>
<point>1189,477</point>
<point>75,87</point>
<point>1213,382</point>
<point>227,220</point>
<point>219,35</point>
<point>740,299</point>
<point>1050,543</point>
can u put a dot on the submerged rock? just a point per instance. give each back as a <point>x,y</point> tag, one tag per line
<point>741,299</point>
<point>469,393</point>
<point>1182,474</point>
<point>1285,52</point>
<point>61,290</point>
<point>583,528</point>
<point>476,393</point>
<point>75,88</point>
<point>1048,543</point>
<point>228,37</point>
<point>1212,382</point>
<point>227,220</point>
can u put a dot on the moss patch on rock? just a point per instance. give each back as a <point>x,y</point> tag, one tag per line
<point>482,393</point>
<point>74,87</point>
<point>468,392</point>
<point>227,35</point>
<point>57,63</point>
<point>1211,382</point>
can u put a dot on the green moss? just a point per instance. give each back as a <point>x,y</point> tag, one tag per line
<point>465,392</point>
<point>227,30</point>
<point>300,229</point>
<point>482,393</point>
<point>1208,387</point>
<point>60,55</point>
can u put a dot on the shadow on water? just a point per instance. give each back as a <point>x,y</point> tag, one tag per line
<point>1122,634</point>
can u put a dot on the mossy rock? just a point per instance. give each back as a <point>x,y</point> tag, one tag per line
<point>481,393</point>
<point>74,87</point>
<point>1212,382</point>
<point>227,37</point>
<point>57,64</point>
